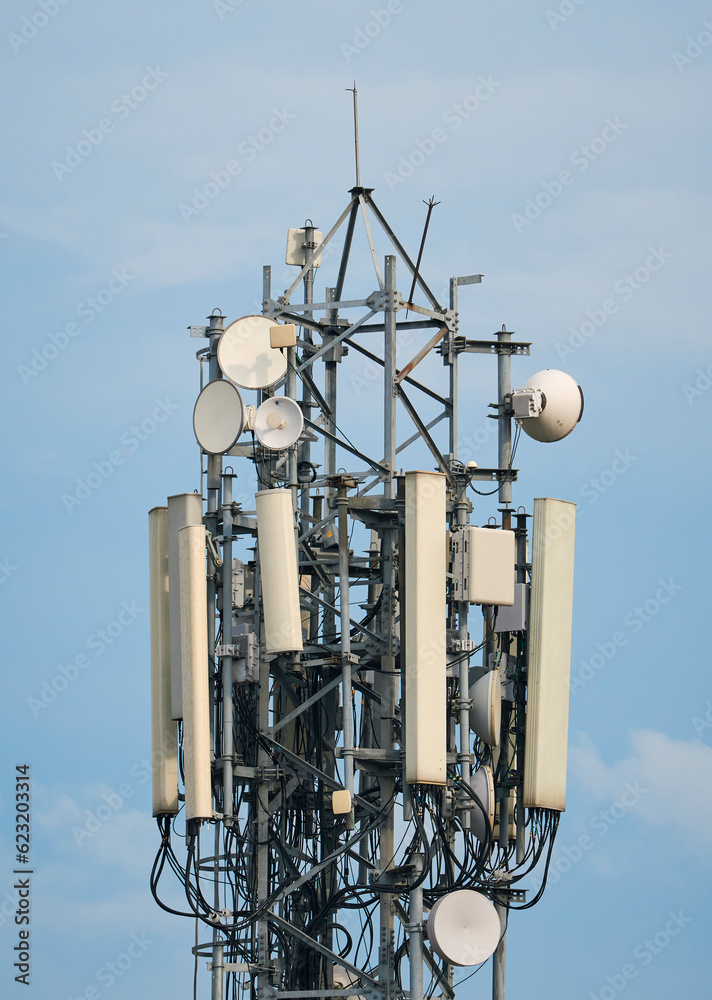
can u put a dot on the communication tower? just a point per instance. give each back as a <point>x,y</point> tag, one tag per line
<point>359,671</point>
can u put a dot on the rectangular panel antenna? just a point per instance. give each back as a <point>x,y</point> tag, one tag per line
<point>547,720</point>
<point>196,680</point>
<point>425,668</point>
<point>183,508</point>
<point>164,731</point>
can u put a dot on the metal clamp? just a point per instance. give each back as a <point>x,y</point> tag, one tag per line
<point>213,549</point>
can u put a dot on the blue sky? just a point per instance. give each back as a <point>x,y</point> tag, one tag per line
<point>568,145</point>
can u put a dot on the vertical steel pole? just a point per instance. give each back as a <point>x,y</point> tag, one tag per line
<point>226,661</point>
<point>290,390</point>
<point>217,962</point>
<point>387,678</point>
<point>309,245</point>
<point>304,448</point>
<point>356,150</point>
<point>499,961</point>
<point>453,375</point>
<point>266,285</point>
<point>330,465</point>
<point>519,693</point>
<point>460,517</point>
<point>259,792</point>
<point>389,399</point>
<point>464,756</point>
<point>262,817</point>
<point>345,608</point>
<point>415,919</point>
<point>330,396</point>
<point>215,330</point>
<point>504,386</point>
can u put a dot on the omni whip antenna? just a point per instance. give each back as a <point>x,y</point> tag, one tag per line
<point>355,93</point>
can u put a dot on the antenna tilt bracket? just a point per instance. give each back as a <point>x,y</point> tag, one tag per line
<point>500,475</point>
<point>512,895</point>
<point>461,345</point>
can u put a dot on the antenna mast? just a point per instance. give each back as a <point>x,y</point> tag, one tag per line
<point>355,93</point>
<point>359,697</point>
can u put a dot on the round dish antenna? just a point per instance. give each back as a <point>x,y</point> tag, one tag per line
<point>245,354</point>
<point>482,784</point>
<point>549,406</point>
<point>278,423</point>
<point>486,712</point>
<point>218,417</point>
<point>464,928</point>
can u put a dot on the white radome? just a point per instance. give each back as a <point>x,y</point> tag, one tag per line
<point>562,405</point>
<point>246,356</point>
<point>278,422</point>
<point>464,927</point>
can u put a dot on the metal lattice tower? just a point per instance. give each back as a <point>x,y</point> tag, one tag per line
<point>355,728</point>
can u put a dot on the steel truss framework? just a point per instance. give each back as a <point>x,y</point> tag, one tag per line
<point>295,901</point>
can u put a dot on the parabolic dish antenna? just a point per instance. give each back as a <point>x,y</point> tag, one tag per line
<point>245,355</point>
<point>486,712</point>
<point>482,784</point>
<point>218,417</point>
<point>464,928</point>
<point>278,422</point>
<point>562,406</point>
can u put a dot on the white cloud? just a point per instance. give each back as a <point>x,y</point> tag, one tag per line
<point>676,776</point>
<point>55,810</point>
<point>98,850</point>
<point>99,827</point>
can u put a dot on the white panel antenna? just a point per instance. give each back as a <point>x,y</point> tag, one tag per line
<point>164,732</point>
<point>183,508</point>
<point>245,354</point>
<point>341,804</point>
<point>549,654</point>
<point>196,678</point>
<point>278,571</point>
<point>278,423</point>
<point>425,620</point>
<point>297,251</point>
<point>483,565</point>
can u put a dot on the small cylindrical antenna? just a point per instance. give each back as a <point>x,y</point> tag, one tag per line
<point>355,93</point>
<point>431,205</point>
